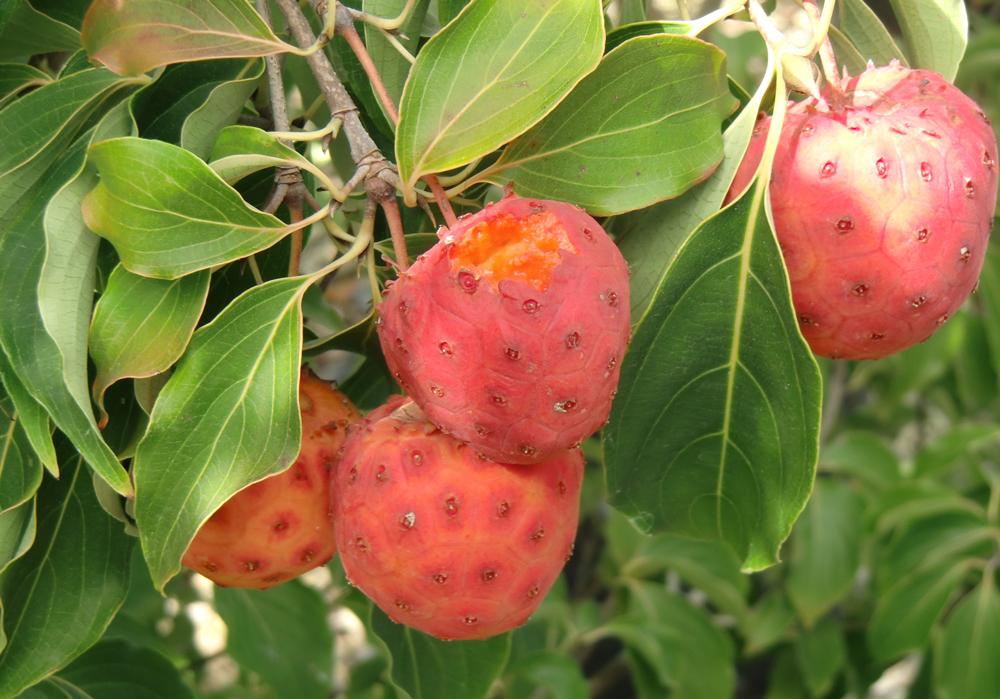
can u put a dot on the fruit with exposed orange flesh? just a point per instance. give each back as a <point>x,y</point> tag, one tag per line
<point>443,541</point>
<point>509,332</point>
<point>882,205</point>
<point>280,527</point>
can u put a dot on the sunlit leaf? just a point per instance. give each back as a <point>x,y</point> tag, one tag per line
<point>650,238</point>
<point>644,127</point>
<point>864,28</point>
<point>136,36</point>
<point>47,262</point>
<point>489,76</point>
<point>227,417</point>
<point>141,326</point>
<point>167,227</point>
<point>935,33</point>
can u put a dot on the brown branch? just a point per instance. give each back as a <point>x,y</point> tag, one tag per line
<point>391,209</point>
<point>345,25</point>
<point>381,179</point>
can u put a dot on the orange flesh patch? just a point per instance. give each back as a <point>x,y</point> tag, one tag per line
<point>505,247</point>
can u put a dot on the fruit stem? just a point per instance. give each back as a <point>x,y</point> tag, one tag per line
<point>827,57</point>
<point>294,204</point>
<point>345,24</point>
<point>391,210</point>
<point>442,200</point>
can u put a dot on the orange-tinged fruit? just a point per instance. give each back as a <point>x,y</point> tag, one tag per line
<point>278,528</point>
<point>506,247</point>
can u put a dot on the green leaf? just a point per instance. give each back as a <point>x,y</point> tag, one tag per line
<point>31,415</point>
<point>38,128</point>
<point>633,11</point>
<point>905,614</point>
<point>167,227</point>
<point>18,77</point>
<point>935,33</point>
<point>423,667</point>
<point>826,550</point>
<point>864,455</point>
<point>650,238</point>
<point>119,670</point>
<point>785,679</point>
<point>620,34</point>
<point>847,53</point>
<point>222,106</point>
<point>46,276</point>
<point>282,635</point>
<point>693,658</point>
<point>25,31</point>
<point>133,37</point>
<point>918,574</point>
<point>191,102</point>
<point>240,151</point>
<point>714,431</point>
<point>141,326</point>
<point>17,534</point>
<point>989,290</point>
<point>975,375</point>
<point>644,127</point>
<point>391,65</point>
<point>449,9</point>
<point>769,622</point>
<point>61,596</point>
<point>961,441</point>
<point>54,688</point>
<point>866,31</point>
<point>821,654</point>
<point>489,76</point>
<point>20,469</point>
<point>227,417</point>
<point>910,501</point>
<point>709,566</point>
<point>965,664</point>
<point>560,676</point>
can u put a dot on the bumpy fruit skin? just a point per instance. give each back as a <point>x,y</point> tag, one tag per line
<point>443,541</point>
<point>510,331</point>
<point>882,207</point>
<point>280,527</point>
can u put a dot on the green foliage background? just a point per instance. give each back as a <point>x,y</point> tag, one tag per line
<point>878,549</point>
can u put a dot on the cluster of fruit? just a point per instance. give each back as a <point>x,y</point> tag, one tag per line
<point>455,509</point>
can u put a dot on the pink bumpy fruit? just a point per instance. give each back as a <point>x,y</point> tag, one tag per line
<point>280,527</point>
<point>883,202</point>
<point>509,332</point>
<point>443,541</point>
